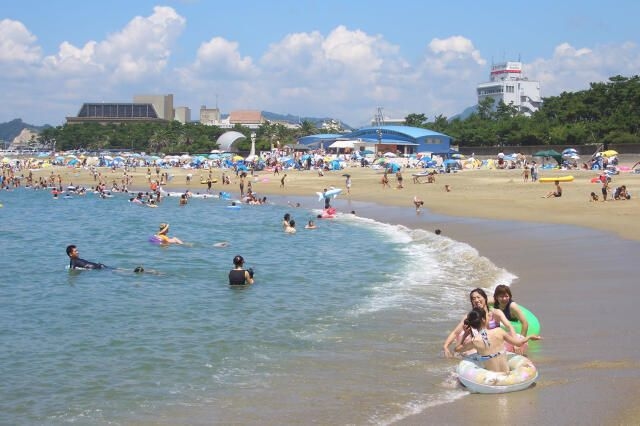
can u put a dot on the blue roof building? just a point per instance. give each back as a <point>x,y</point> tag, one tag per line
<point>405,139</point>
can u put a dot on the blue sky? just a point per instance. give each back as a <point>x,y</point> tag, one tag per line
<point>339,59</point>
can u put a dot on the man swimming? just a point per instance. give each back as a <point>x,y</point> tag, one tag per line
<point>75,262</point>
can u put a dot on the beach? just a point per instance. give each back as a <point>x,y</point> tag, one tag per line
<point>575,262</point>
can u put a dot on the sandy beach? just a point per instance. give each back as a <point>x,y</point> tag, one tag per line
<point>575,262</point>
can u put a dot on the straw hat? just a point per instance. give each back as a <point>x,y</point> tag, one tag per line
<point>164,228</point>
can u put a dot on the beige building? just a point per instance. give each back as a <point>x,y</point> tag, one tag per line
<point>209,116</point>
<point>163,104</point>
<point>183,115</point>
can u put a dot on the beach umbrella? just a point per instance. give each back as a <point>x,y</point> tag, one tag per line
<point>214,156</point>
<point>609,153</point>
<point>238,158</point>
<point>390,155</point>
<point>367,151</point>
<point>457,156</point>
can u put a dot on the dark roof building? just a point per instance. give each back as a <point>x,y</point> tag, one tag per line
<point>106,113</point>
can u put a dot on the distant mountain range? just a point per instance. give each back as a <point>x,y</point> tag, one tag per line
<point>11,129</point>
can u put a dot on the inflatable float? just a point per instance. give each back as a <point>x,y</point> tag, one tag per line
<point>329,213</point>
<point>522,374</point>
<point>154,239</point>
<point>331,193</point>
<point>534,324</point>
<point>553,179</point>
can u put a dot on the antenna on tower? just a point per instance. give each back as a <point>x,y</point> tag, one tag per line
<point>379,117</point>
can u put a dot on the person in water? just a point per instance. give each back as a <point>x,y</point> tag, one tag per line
<point>311,225</point>
<point>503,300</point>
<point>488,343</point>
<point>238,275</point>
<point>75,262</point>
<point>495,318</point>
<point>164,238</point>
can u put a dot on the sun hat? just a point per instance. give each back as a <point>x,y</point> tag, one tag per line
<point>164,227</point>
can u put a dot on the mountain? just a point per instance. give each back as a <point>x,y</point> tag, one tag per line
<point>465,113</point>
<point>11,129</point>
<point>294,119</point>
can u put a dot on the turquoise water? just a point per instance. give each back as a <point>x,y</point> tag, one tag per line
<point>343,325</point>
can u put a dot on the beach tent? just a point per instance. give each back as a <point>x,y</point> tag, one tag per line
<point>550,153</point>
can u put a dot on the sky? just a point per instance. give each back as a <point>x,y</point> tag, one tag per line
<point>338,59</point>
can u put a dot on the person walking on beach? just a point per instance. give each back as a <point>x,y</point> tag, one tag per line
<point>605,186</point>
<point>418,203</point>
<point>534,172</point>
<point>348,184</point>
<point>525,174</point>
<point>238,275</point>
<point>282,180</point>
<point>399,179</point>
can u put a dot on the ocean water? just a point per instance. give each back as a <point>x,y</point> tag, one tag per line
<point>344,324</point>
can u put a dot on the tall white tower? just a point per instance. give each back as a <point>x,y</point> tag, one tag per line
<point>508,84</point>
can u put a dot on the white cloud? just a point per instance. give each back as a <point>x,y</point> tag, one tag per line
<point>344,73</point>
<point>17,44</point>
<point>220,58</point>
<point>141,49</point>
<point>573,69</point>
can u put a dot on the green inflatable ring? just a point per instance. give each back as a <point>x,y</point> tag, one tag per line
<point>534,324</point>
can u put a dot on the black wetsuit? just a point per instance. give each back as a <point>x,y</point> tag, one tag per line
<point>77,263</point>
<point>236,277</point>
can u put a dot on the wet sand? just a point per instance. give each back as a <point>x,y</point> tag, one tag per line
<point>576,263</point>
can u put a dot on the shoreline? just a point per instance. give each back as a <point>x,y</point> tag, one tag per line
<point>575,264</point>
<point>487,194</point>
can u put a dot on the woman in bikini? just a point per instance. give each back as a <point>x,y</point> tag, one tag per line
<point>495,318</point>
<point>488,343</point>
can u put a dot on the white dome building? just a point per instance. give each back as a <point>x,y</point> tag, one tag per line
<point>227,140</point>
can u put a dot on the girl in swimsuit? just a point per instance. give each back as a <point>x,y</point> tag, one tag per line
<point>502,299</point>
<point>488,343</point>
<point>495,318</point>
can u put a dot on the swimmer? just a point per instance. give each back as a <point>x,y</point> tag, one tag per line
<point>222,244</point>
<point>291,228</point>
<point>164,238</point>
<point>310,225</point>
<point>76,263</point>
<point>238,275</point>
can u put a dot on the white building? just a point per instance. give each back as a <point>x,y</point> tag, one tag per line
<point>509,85</point>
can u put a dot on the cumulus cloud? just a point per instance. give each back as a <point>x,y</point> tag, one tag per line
<point>142,48</point>
<point>220,58</point>
<point>17,44</point>
<point>572,69</point>
<point>345,73</point>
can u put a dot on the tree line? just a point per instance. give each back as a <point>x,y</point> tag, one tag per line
<point>606,113</point>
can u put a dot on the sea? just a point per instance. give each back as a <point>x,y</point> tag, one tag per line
<point>344,324</point>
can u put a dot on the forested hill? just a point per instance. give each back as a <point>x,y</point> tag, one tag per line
<point>11,129</point>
